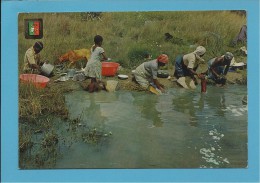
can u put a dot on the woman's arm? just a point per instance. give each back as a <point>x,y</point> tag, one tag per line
<point>191,65</point>
<point>214,65</point>
<point>194,73</point>
<point>226,69</point>
<point>158,85</point>
<point>104,56</point>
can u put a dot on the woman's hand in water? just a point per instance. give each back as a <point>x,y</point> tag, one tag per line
<point>201,76</point>
<point>162,89</point>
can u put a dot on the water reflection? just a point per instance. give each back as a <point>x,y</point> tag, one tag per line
<point>201,101</point>
<point>217,101</point>
<point>147,107</point>
<point>184,102</point>
<point>199,106</point>
<point>93,113</point>
<point>215,142</point>
<point>218,141</point>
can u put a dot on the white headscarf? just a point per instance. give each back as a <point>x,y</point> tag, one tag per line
<point>228,56</point>
<point>200,50</point>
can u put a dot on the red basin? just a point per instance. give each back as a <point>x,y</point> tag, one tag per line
<point>109,68</point>
<point>38,81</point>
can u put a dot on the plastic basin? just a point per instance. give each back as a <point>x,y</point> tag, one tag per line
<point>109,68</point>
<point>38,81</point>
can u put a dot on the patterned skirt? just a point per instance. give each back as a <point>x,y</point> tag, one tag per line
<point>93,70</point>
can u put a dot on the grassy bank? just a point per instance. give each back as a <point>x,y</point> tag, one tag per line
<point>128,34</point>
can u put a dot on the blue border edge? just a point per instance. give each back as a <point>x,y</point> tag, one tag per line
<point>9,97</point>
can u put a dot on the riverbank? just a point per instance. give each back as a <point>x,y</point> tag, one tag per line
<point>35,102</point>
<point>235,77</point>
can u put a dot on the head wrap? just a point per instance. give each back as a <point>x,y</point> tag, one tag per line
<point>163,58</point>
<point>200,50</point>
<point>38,45</point>
<point>228,56</point>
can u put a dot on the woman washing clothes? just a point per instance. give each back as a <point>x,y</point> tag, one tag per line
<point>218,68</point>
<point>32,61</point>
<point>146,73</point>
<point>186,66</point>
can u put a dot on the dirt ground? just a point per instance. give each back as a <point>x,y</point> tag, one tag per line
<point>237,77</point>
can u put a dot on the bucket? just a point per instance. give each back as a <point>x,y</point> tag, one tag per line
<point>162,74</point>
<point>109,68</point>
<point>111,85</point>
<point>47,69</point>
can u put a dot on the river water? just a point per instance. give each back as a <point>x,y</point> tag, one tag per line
<point>179,129</point>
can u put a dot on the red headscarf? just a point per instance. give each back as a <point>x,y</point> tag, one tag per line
<point>163,58</point>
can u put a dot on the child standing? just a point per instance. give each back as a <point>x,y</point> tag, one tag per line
<point>94,66</point>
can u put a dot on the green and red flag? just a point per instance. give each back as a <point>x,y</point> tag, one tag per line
<point>34,28</point>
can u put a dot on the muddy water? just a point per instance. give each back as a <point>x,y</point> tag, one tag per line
<point>180,129</point>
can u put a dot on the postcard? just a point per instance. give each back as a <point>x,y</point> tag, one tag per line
<point>130,93</point>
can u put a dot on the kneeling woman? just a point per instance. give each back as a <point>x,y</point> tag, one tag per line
<point>186,65</point>
<point>218,68</point>
<point>146,73</point>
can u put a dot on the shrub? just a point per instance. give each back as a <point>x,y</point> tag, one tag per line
<point>136,55</point>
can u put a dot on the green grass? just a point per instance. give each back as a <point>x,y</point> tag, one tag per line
<point>125,33</point>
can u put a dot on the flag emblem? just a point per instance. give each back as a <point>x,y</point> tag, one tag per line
<point>33,28</point>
